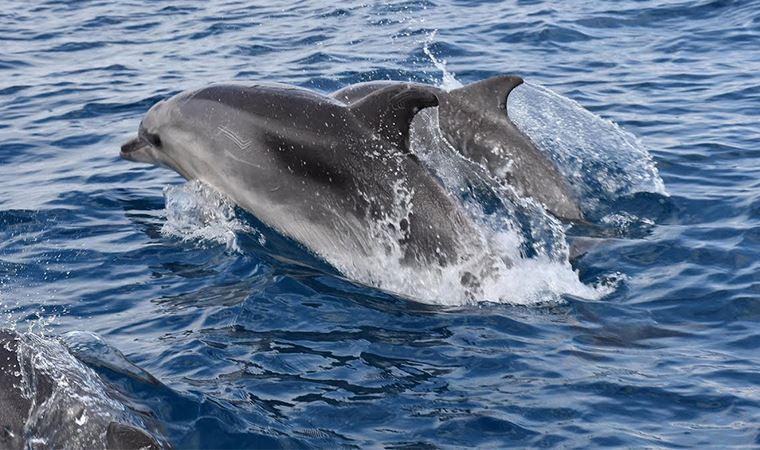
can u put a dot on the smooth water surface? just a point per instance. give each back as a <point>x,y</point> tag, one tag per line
<point>220,333</point>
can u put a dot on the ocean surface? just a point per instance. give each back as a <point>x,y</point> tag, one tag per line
<point>163,301</point>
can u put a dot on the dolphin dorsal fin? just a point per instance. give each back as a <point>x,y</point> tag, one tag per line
<point>389,111</point>
<point>491,91</point>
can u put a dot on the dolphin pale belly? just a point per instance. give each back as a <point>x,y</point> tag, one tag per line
<point>338,179</point>
<point>474,120</point>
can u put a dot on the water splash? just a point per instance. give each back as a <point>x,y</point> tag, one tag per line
<point>600,160</point>
<point>518,231</point>
<point>448,81</point>
<point>195,212</point>
<point>13,316</point>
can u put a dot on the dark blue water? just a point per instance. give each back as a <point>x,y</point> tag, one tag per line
<point>261,345</point>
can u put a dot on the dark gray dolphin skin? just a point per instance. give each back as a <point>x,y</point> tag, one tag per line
<point>16,405</point>
<point>474,120</point>
<point>310,167</point>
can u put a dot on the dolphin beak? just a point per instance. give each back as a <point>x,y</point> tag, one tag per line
<point>131,147</point>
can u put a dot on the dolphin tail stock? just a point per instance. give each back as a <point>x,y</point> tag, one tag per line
<point>390,110</point>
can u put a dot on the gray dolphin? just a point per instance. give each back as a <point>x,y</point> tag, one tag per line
<point>474,120</point>
<point>17,402</point>
<point>312,168</point>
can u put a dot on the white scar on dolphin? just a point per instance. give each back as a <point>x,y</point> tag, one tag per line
<point>243,144</point>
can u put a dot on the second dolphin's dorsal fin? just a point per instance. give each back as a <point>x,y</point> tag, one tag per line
<point>491,91</point>
<point>389,111</point>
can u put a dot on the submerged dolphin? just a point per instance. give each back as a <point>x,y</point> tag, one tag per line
<point>20,400</point>
<point>474,120</point>
<point>338,179</point>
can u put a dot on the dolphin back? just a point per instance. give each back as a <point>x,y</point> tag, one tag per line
<point>21,400</point>
<point>474,119</point>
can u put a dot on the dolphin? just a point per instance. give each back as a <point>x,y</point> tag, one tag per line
<point>339,179</point>
<point>474,120</point>
<point>18,400</point>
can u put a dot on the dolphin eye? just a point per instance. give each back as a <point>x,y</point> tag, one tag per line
<point>154,139</point>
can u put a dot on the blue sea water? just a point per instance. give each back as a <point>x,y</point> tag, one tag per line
<point>249,341</point>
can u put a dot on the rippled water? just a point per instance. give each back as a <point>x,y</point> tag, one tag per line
<point>222,334</point>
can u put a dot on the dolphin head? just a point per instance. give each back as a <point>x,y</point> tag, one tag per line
<point>187,132</point>
<point>151,144</point>
<point>165,136</point>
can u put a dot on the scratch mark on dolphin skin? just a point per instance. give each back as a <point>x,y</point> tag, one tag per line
<point>236,158</point>
<point>243,144</point>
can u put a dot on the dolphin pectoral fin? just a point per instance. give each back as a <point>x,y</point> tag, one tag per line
<point>489,92</point>
<point>389,111</point>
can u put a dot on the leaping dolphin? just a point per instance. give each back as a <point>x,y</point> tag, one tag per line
<point>474,120</point>
<point>312,168</point>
